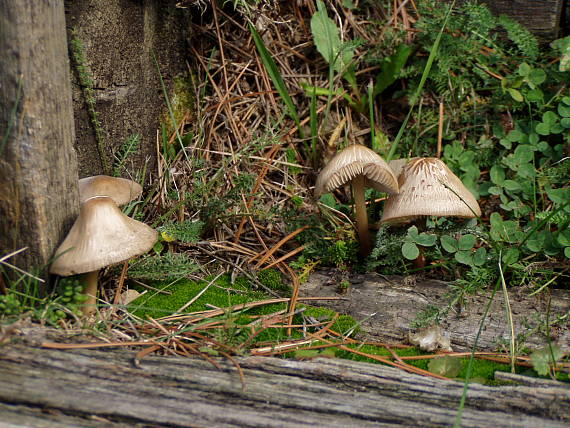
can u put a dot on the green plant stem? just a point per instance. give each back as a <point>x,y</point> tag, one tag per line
<point>373,144</point>
<point>509,314</point>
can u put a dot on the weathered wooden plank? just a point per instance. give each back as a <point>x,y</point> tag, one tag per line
<point>38,166</point>
<point>386,306</point>
<point>85,387</point>
<point>543,17</point>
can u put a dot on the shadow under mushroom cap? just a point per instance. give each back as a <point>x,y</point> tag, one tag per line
<point>353,161</point>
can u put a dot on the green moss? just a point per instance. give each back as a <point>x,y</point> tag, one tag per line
<point>272,279</point>
<point>225,293</point>
<point>221,294</point>
<point>181,100</point>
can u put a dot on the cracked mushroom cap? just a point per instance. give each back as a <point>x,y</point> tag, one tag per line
<point>121,190</point>
<point>428,187</point>
<point>101,236</point>
<point>353,161</point>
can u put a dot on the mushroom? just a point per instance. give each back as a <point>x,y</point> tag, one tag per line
<point>121,190</point>
<point>361,167</point>
<point>396,165</point>
<point>428,188</point>
<point>101,236</point>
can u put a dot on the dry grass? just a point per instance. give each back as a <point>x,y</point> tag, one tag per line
<point>239,127</point>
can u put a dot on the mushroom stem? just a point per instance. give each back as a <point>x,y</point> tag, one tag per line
<point>361,214</point>
<point>90,305</point>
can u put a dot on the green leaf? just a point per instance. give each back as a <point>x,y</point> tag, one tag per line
<point>505,143</point>
<point>497,174</point>
<point>158,247</point>
<point>328,200</point>
<point>410,251</point>
<point>327,40</point>
<point>564,238</point>
<point>524,153</point>
<point>447,366</point>
<point>390,68</point>
<point>542,128</point>
<point>533,138</point>
<point>413,233</point>
<point>511,256</point>
<point>480,257</point>
<point>515,95</point>
<point>563,110</point>
<point>537,76</point>
<point>535,95</point>
<point>524,69</point>
<point>449,243</point>
<point>512,185</point>
<point>565,122</point>
<point>559,196</point>
<point>515,135</point>
<point>567,252</point>
<point>426,239</point>
<point>467,242</point>
<point>542,358</point>
<point>563,47</point>
<point>526,170</point>
<point>550,118</point>
<point>465,257</point>
<point>536,242</point>
<point>495,190</point>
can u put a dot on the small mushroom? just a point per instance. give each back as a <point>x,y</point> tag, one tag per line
<point>428,187</point>
<point>101,236</point>
<point>121,190</point>
<point>361,167</point>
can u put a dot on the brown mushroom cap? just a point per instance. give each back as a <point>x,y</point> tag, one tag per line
<point>396,165</point>
<point>121,190</point>
<point>429,187</point>
<point>353,161</point>
<point>101,236</point>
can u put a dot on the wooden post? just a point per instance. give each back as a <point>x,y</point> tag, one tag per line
<point>38,165</point>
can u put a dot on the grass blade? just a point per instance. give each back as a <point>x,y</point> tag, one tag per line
<point>425,74</point>
<point>275,75</point>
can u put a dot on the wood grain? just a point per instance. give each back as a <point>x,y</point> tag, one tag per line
<point>54,388</point>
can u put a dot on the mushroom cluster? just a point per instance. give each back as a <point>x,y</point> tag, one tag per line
<point>102,235</point>
<point>417,188</point>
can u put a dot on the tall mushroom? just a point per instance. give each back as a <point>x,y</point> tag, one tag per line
<point>361,167</point>
<point>428,188</point>
<point>120,189</point>
<point>101,236</point>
